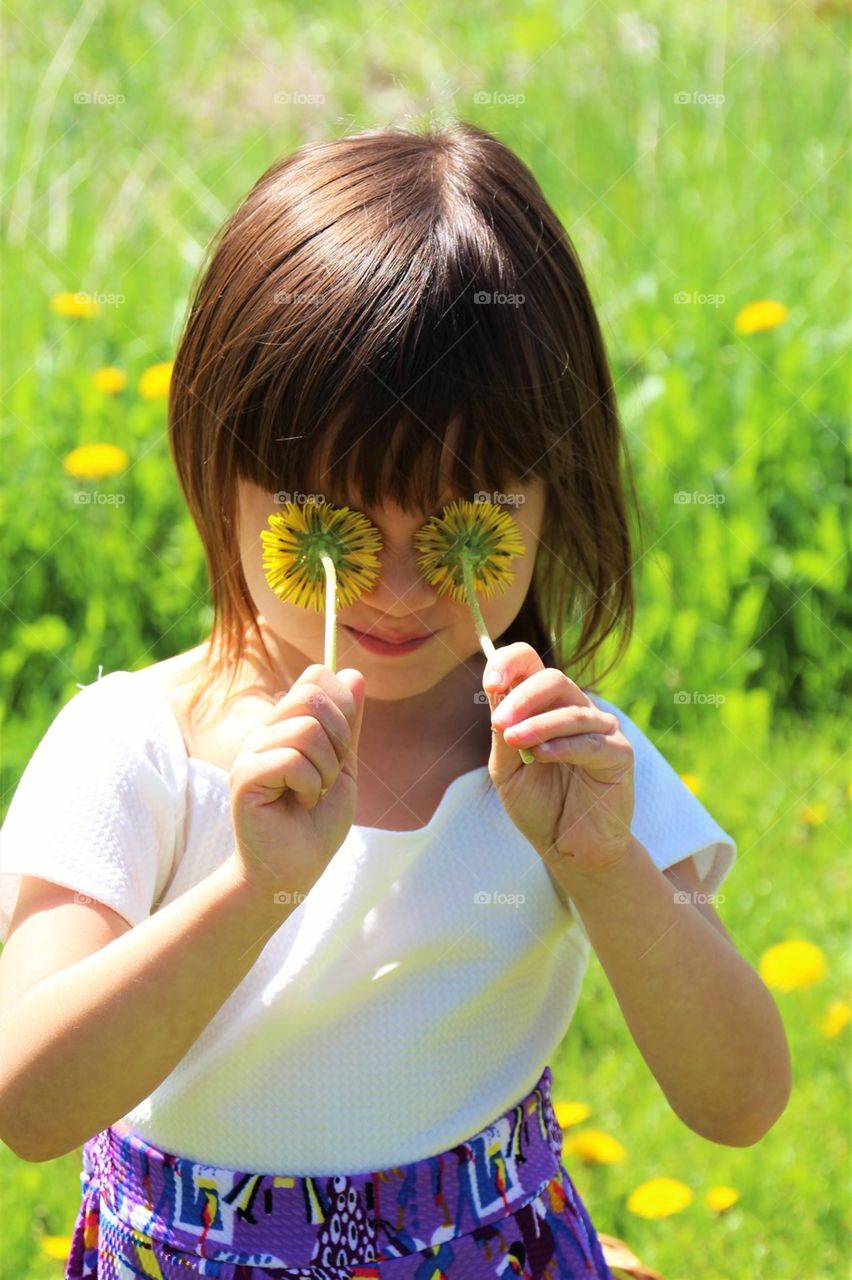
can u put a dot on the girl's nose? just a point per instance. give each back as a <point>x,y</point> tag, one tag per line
<point>400,582</point>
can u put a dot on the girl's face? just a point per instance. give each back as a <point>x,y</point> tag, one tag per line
<point>401,604</point>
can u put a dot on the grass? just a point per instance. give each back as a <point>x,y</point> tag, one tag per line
<point>733,200</point>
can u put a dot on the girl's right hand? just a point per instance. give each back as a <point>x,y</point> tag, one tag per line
<point>287,831</point>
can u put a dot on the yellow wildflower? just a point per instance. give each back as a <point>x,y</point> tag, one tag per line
<point>691,781</point>
<point>814,815</point>
<point>759,316</point>
<point>839,1015</point>
<point>94,461</point>
<point>659,1198</point>
<point>56,1247</point>
<point>73,304</point>
<point>793,964</point>
<point>110,380</point>
<point>568,1113</point>
<point>594,1147</point>
<point>720,1198</point>
<point>154,383</point>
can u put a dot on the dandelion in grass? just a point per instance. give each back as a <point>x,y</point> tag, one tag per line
<point>721,1198</point>
<point>468,548</point>
<point>77,305</point>
<point>109,380</point>
<point>155,380</point>
<point>659,1198</point>
<point>790,965</point>
<point>757,317</point>
<point>593,1146</point>
<point>95,461</point>
<point>320,556</point>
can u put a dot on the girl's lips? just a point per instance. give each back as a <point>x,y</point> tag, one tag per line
<point>374,645</point>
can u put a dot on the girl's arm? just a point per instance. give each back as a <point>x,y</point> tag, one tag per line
<point>88,1043</point>
<point>703,1020</point>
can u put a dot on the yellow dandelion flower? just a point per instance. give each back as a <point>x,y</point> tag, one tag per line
<point>594,1147</point>
<point>721,1198</point>
<point>568,1113</point>
<point>690,780</point>
<point>465,548</point>
<point>793,964</point>
<point>659,1198</point>
<point>73,304</point>
<point>814,815</point>
<point>758,316</point>
<point>56,1247</point>
<point>110,380</point>
<point>94,461</point>
<point>839,1015</point>
<point>313,544</point>
<point>154,383</point>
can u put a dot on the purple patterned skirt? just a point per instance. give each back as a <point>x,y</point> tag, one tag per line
<point>500,1204</point>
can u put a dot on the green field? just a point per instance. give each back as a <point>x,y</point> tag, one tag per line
<point>696,156</point>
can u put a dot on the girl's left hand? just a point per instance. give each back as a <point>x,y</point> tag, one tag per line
<point>574,802</point>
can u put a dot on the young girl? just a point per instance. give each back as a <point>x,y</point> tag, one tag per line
<point>289,950</point>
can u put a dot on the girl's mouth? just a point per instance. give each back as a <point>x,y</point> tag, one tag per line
<point>374,645</point>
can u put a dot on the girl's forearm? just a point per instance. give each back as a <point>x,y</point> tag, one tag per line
<point>85,1044</point>
<point>704,1021</point>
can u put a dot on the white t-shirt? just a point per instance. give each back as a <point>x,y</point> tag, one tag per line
<point>417,991</point>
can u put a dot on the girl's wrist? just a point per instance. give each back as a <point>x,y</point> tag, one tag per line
<point>591,886</point>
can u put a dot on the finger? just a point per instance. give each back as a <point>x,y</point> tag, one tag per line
<point>309,736</point>
<point>539,692</point>
<point>510,663</point>
<point>556,722</point>
<point>270,774</point>
<point>605,755</point>
<point>327,698</point>
<point>355,682</point>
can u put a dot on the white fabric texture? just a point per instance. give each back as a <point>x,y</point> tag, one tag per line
<point>396,1011</point>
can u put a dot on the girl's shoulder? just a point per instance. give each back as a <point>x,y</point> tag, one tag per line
<point>101,802</point>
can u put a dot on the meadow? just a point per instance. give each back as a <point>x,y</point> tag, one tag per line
<point>696,156</point>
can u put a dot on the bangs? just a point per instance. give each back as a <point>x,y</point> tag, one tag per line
<point>431,390</point>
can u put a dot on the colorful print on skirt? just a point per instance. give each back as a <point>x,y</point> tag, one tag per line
<point>500,1204</point>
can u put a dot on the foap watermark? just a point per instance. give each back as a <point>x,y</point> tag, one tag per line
<point>684,698</point>
<point>95,98</point>
<point>697,299</point>
<point>83,299</point>
<point>500,499</point>
<point>483,298</point>
<point>696,896</point>
<point>284,298</point>
<point>486,98</point>
<point>300,499</point>
<point>684,499</point>
<point>97,498</point>
<point>298,98</point>
<point>486,899</point>
<point>698,98</point>
<point>284,898</point>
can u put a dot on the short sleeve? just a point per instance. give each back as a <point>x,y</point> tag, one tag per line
<point>98,807</point>
<point>668,819</point>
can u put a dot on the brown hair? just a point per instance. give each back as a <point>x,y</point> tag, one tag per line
<point>400,281</point>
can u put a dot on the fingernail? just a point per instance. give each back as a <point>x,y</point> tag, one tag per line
<point>493,680</point>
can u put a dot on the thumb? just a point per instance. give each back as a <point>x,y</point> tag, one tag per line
<point>355,682</point>
<point>503,760</point>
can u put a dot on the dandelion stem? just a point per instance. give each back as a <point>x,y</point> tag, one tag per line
<point>330,612</point>
<point>485,641</point>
